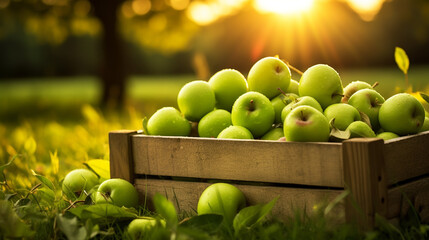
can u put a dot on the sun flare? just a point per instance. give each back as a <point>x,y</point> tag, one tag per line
<point>283,6</point>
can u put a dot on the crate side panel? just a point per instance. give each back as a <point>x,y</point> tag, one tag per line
<point>407,157</point>
<point>262,161</point>
<point>186,194</point>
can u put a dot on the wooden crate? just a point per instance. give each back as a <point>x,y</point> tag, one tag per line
<point>378,174</point>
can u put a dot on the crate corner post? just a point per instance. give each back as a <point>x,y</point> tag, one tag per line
<point>121,164</point>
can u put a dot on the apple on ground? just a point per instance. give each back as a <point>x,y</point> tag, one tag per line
<point>235,132</point>
<point>213,123</point>
<point>223,199</point>
<point>168,121</point>
<point>269,76</point>
<point>369,102</point>
<point>196,99</point>
<point>402,114</point>
<point>322,83</point>
<point>274,134</point>
<point>306,124</point>
<point>360,129</point>
<point>141,226</point>
<point>77,181</point>
<point>387,135</point>
<point>254,111</point>
<point>118,192</point>
<point>353,87</point>
<point>301,101</point>
<point>227,85</point>
<point>343,113</point>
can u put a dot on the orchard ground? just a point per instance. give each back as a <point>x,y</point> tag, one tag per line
<point>53,126</point>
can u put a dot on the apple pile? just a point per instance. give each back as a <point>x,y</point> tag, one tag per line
<point>269,105</point>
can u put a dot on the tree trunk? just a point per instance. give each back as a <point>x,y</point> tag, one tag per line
<point>112,72</point>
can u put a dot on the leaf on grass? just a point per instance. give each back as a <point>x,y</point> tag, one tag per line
<point>11,226</point>
<point>249,216</point>
<point>205,222</point>
<point>44,180</point>
<point>166,209</point>
<point>100,167</point>
<point>103,211</point>
<point>402,60</point>
<point>71,228</point>
<point>3,167</point>
<point>424,96</point>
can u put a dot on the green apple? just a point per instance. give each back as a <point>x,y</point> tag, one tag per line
<point>353,87</point>
<point>278,105</point>
<point>168,121</point>
<point>306,124</point>
<point>387,135</point>
<point>369,102</point>
<point>301,101</point>
<point>141,226</point>
<point>213,123</point>
<point>343,113</point>
<point>118,192</point>
<point>269,76</point>
<point>360,129</point>
<point>78,180</point>
<point>223,199</point>
<point>322,83</point>
<point>227,85</point>
<point>235,132</point>
<point>425,126</point>
<point>402,114</point>
<point>274,134</point>
<point>196,99</point>
<point>254,111</point>
<point>293,87</point>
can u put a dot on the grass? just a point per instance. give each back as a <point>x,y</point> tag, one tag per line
<point>52,125</point>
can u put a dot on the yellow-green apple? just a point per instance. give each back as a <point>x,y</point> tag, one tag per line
<point>425,126</point>
<point>196,99</point>
<point>306,124</point>
<point>353,87</point>
<point>387,135</point>
<point>301,101</point>
<point>293,87</point>
<point>369,102</point>
<point>168,121</point>
<point>141,226</point>
<point>235,132</point>
<point>360,129</point>
<point>213,123</point>
<point>402,114</point>
<point>343,113</point>
<point>274,134</point>
<point>223,199</point>
<point>269,76</point>
<point>254,111</point>
<point>278,105</point>
<point>227,85</point>
<point>118,192</point>
<point>322,83</point>
<point>78,180</point>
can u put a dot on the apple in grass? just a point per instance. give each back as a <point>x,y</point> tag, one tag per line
<point>254,111</point>
<point>196,99</point>
<point>301,101</point>
<point>213,123</point>
<point>402,114</point>
<point>118,192</point>
<point>227,85</point>
<point>306,124</point>
<point>343,113</point>
<point>322,83</point>
<point>235,132</point>
<point>141,226</point>
<point>268,75</point>
<point>77,181</point>
<point>223,199</point>
<point>369,102</point>
<point>168,121</point>
<point>353,87</point>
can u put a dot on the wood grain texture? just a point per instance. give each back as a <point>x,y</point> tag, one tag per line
<point>407,157</point>
<point>121,162</point>
<point>186,194</point>
<point>246,160</point>
<point>364,176</point>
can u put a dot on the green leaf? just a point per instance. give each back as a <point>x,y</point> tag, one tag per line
<point>100,167</point>
<point>206,222</point>
<point>166,209</point>
<point>364,118</point>
<point>249,216</point>
<point>11,226</point>
<point>44,180</point>
<point>3,167</point>
<point>71,228</point>
<point>402,60</point>
<point>336,134</point>
<point>424,96</point>
<point>144,123</point>
<point>288,98</point>
<point>103,211</point>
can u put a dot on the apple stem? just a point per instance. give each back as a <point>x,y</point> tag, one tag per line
<point>375,84</point>
<point>293,68</point>
<point>303,118</point>
<point>252,105</point>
